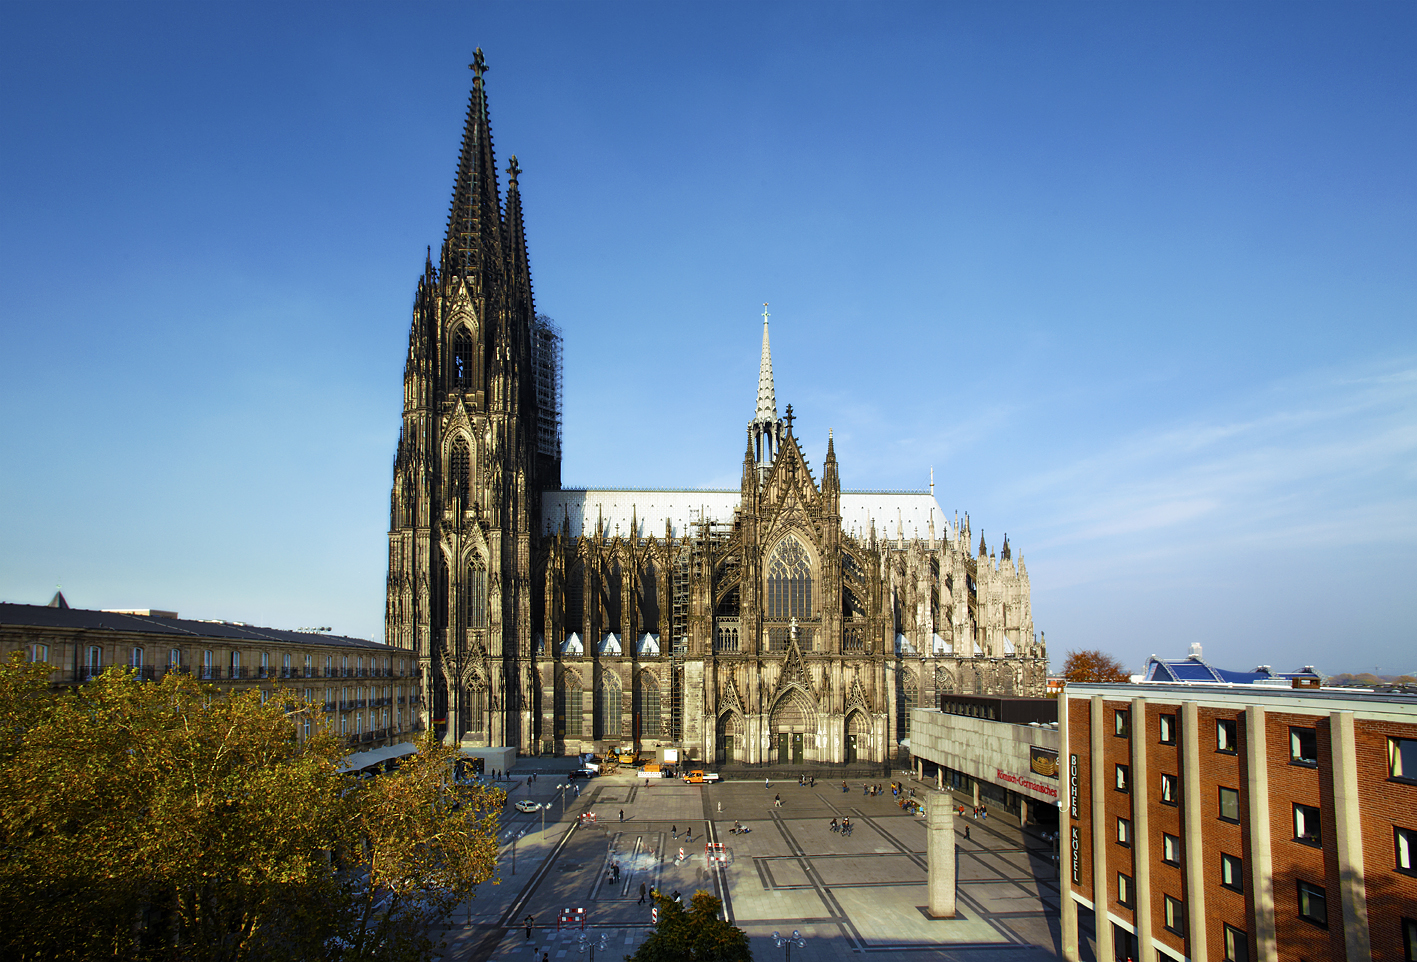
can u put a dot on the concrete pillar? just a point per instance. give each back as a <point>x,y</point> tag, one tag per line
<point>940,855</point>
<point>1261,861</point>
<point>1097,827</point>
<point>1194,817</point>
<point>1141,825</point>
<point>940,777</point>
<point>1352,888</point>
<point>1068,907</point>
<point>974,782</point>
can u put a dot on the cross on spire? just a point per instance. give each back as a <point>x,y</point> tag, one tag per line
<point>478,65</point>
<point>766,315</point>
<point>787,416</point>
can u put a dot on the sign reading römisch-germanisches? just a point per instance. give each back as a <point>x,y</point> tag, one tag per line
<point>1043,761</point>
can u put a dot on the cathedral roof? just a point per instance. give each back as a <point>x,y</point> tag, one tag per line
<point>895,514</point>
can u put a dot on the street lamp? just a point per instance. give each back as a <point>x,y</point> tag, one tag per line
<point>514,837</point>
<point>585,943</point>
<point>789,940</point>
<point>562,790</point>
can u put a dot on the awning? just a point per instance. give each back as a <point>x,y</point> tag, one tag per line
<point>374,756</point>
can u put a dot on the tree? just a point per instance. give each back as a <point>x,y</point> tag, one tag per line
<point>697,934</point>
<point>1093,665</point>
<point>156,820</point>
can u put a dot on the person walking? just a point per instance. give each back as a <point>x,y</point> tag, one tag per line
<point>777,801</point>
<point>834,827</point>
<point>689,834</point>
<point>622,814</point>
<point>767,783</point>
<point>674,831</point>
<point>642,894</point>
<point>529,921</point>
<point>966,831</point>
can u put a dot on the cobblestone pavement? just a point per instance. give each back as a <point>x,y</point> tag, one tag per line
<point>847,895</point>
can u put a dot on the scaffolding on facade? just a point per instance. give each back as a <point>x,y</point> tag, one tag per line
<point>546,373</point>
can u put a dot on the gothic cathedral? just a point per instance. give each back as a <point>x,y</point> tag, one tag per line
<point>785,622</point>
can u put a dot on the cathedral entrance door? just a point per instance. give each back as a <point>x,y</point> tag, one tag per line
<point>782,747</point>
<point>797,748</point>
<point>725,749</point>
<point>850,749</point>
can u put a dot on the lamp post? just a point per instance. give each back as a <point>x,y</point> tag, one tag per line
<point>789,940</point>
<point>586,943</point>
<point>514,836</point>
<point>562,790</point>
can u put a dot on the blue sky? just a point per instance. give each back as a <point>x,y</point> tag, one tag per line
<point>1136,280</point>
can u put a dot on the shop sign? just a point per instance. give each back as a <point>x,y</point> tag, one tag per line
<point>1043,761</point>
<point>1073,785</point>
<point>1077,855</point>
<point>1025,782</point>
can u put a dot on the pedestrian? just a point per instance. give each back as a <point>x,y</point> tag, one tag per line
<point>546,957</point>
<point>834,827</point>
<point>642,894</point>
<point>966,831</point>
<point>865,790</point>
<point>673,831</point>
<point>622,814</point>
<point>688,834</point>
<point>777,801</point>
<point>767,783</point>
<point>529,921</point>
<point>843,788</point>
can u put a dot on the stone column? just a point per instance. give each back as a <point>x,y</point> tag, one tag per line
<point>1193,821</point>
<point>940,855</point>
<point>1098,770</point>
<point>1352,889</point>
<point>1261,865</point>
<point>1141,825</point>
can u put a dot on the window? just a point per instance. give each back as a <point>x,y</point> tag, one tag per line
<point>1402,758</point>
<point>1237,946</point>
<point>265,695</point>
<point>1125,895</point>
<point>1170,849</point>
<point>38,653</point>
<point>94,658</point>
<point>359,666</point>
<point>135,659</point>
<point>308,670</point>
<point>459,473</point>
<point>1409,939</point>
<point>1406,843</point>
<point>1175,915</point>
<point>236,664</point>
<point>344,665</point>
<point>462,361</point>
<point>1170,789</point>
<point>477,594</point>
<point>1168,729</point>
<point>1230,804</point>
<point>609,707</point>
<point>1306,824</point>
<point>1231,872</point>
<point>1121,723</point>
<point>1303,746</point>
<point>570,696</point>
<point>1313,904</point>
<point>789,572</point>
<point>1124,778</point>
<point>1124,831</point>
<point>1225,735</point>
<point>208,663</point>
<point>174,658</point>
<point>285,665</point>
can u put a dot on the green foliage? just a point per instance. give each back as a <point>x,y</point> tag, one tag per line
<point>695,934</point>
<point>166,820</point>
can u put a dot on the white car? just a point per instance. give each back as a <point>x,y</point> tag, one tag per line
<point>527,805</point>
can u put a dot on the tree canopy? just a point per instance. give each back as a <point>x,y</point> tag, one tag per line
<point>696,934</point>
<point>167,820</point>
<point>1093,665</point>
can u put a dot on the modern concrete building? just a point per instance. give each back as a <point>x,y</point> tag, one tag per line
<point>1001,752</point>
<point>1239,822</point>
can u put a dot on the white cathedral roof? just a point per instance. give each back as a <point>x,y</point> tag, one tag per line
<point>896,514</point>
<point>610,645</point>
<point>649,644</point>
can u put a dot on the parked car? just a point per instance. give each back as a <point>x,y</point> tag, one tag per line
<point>527,805</point>
<point>583,773</point>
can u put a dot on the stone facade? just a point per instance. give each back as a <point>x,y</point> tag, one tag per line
<point>784,622</point>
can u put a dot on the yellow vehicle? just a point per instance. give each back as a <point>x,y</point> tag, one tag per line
<point>627,756</point>
<point>698,777</point>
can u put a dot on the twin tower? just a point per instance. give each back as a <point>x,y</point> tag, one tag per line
<point>785,622</point>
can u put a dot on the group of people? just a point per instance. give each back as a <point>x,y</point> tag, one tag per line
<point>845,826</point>
<point>739,829</point>
<point>807,781</point>
<point>981,812</point>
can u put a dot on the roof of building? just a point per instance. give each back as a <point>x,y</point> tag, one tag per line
<point>43,616</point>
<point>1194,669</point>
<point>643,512</point>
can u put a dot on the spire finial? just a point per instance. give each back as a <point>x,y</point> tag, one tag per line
<point>788,417</point>
<point>513,169</point>
<point>478,65</point>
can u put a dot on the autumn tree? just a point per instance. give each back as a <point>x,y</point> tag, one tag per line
<point>696,934</point>
<point>155,820</point>
<point>1093,665</point>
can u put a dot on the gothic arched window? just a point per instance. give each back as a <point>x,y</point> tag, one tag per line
<point>568,706</point>
<point>458,470</point>
<point>476,594</point>
<point>462,361</point>
<point>789,582</point>
<point>609,714</point>
<point>647,706</point>
<point>907,697</point>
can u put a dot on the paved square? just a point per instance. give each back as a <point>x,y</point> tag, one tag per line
<point>786,869</point>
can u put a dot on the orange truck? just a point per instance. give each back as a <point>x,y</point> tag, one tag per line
<point>698,777</point>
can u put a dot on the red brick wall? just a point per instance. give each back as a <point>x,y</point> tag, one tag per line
<point>1116,751</point>
<point>1165,879</point>
<point>1384,804</point>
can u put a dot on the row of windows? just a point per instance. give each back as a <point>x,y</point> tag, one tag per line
<point>1307,824</point>
<point>1303,743</point>
<point>1313,907</point>
<point>137,657</point>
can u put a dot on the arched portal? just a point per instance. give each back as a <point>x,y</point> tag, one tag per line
<point>858,737</point>
<point>729,736</point>
<point>792,726</point>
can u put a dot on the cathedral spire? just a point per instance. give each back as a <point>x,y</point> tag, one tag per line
<point>518,268</point>
<point>474,221</point>
<point>767,398</point>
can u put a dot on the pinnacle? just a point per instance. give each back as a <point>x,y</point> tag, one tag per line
<point>767,397</point>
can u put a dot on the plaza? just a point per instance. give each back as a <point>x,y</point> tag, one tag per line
<point>846,894</point>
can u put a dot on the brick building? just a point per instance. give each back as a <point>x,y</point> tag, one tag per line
<point>1238,822</point>
<point>366,691</point>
